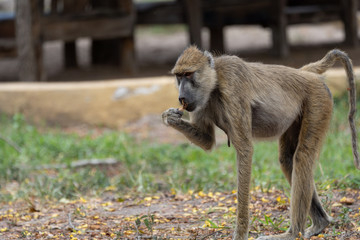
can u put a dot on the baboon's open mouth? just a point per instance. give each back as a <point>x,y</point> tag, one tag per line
<point>184,105</point>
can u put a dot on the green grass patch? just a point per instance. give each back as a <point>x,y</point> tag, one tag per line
<point>149,167</point>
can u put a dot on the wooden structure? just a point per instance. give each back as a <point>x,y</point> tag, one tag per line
<point>7,36</point>
<point>110,25</point>
<point>189,12</point>
<point>315,11</point>
<point>276,14</point>
<point>68,20</point>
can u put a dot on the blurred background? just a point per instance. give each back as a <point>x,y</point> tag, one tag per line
<point>106,62</point>
<point>83,84</point>
<point>64,40</point>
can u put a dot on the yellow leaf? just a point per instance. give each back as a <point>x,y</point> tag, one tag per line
<point>264,200</point>
<point>110,209</point>
<point>83,226</point>
<point>336,205</point>
<point>173,191</point>
<point>207,224</point>
<point>106,204</point>
<point>129,232</point>
<point>190,192</point>
<point>347,201</point>
<point>201,194</point>
<point>232,209</point>
<point>26,218</point>
<point>111,188</point>
<point>281,200</point>
<point>148,199</point>
<point>3,229</point>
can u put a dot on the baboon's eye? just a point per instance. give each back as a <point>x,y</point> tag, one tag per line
<point>188,74</point>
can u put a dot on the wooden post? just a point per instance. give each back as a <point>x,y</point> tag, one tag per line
<point>194,18</point>
<point>70,55</point>
<point>216,38</point>
<point>349,13</point>
<point>121,50</point>
<point>127,44</point>
<point>278,25</point>
<point>217,33</point>
<point>29,44</point>
<point>104,51</point>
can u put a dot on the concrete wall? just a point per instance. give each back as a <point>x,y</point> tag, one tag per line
<point>108,103</point>
<point>105,103</point>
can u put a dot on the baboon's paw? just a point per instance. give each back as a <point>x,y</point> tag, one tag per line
<point>315,229</point>
<point>171,115</point>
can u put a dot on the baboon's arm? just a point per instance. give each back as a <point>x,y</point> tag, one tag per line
<point>201,134</point>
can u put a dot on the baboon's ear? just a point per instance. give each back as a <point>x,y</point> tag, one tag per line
<point>210,59</point>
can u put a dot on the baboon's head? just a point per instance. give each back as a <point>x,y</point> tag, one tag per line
<point>196,78</point>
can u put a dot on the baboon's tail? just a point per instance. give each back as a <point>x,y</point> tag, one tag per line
<point>320,67</point>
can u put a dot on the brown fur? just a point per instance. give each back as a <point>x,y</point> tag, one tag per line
<point>256,101</point>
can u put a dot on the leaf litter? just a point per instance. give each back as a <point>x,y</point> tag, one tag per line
<point>191,215</point>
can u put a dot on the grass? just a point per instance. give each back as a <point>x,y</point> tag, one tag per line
<point>150,167</point>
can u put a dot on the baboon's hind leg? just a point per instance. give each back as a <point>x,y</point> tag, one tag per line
<point>287,147</point>
<point>299,148</point>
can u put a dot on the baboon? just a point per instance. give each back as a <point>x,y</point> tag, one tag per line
<point>258,101</point>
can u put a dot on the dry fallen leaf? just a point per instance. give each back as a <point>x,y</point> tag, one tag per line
<point>347,201</point>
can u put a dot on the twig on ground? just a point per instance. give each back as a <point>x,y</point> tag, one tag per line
<point>10,143</point>
<point>70,223</point>
<point>80,163</point>
<point>211,234</point>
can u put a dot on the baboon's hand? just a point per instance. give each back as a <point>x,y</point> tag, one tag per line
<point>171,116</point>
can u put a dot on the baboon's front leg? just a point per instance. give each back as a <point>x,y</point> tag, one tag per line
<point>244,160</point>
<point>200,134</point>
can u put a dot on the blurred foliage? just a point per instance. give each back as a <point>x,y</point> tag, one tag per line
<point>148,166</point>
